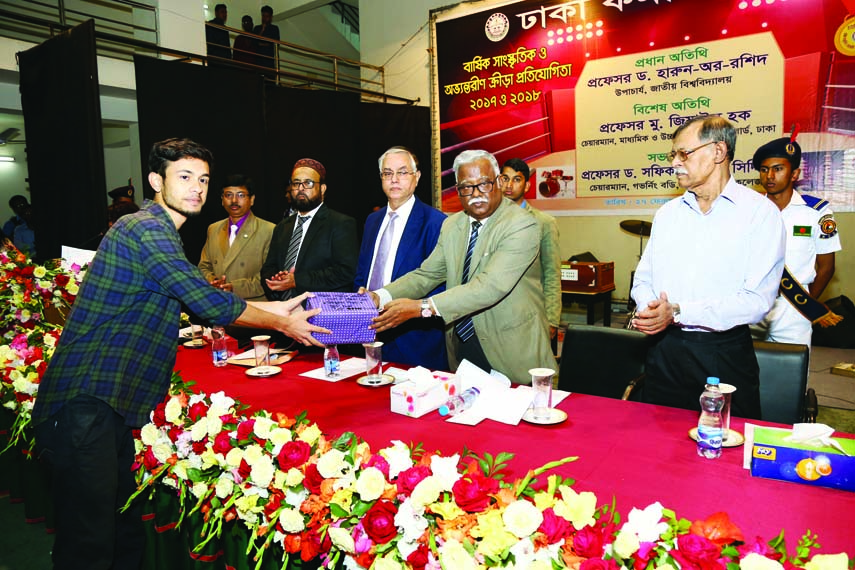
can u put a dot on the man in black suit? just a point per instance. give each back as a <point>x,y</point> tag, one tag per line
<point>315,249</point>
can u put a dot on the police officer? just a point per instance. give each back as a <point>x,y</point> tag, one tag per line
<point>812,239</point>
<point>122,193</point>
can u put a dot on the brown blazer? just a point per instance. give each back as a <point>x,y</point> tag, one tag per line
<point>241,263</point>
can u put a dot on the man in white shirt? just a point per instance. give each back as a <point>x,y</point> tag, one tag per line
<point>812,239</point>
<point>712,267</point>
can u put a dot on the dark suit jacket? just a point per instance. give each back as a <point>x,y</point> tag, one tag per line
<point>327,258</point>
<point>417,341</point>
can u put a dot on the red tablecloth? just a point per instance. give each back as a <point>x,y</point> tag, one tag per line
<point>638,453</point>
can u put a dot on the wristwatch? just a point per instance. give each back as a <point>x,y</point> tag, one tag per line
<point>676,310</point>
<point>426,310</point>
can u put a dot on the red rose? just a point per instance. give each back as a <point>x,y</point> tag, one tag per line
<point>61,279</point>
<point>695,552</point>
<point>244,470</point>
<point>199,447</point>
<point>760,547</point>
<point>379,522</point>
<point>159,417</point>
<point>407,480</point>
<point>418,558</point>
<point>197,411</point>
<point>380,463</point>
<point>598,564</point>
<point>312,479</point>
<point>293,454</point>
<point>554,527</point>
<point>149,460</point>
<point>222,443</point>
<point>588,542</point>
<point>274,502</point>
<point>472,492</point>
<point>244,429</point>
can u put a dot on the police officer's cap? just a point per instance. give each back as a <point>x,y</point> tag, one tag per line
<point>121,192</point>
<point>779,148</point>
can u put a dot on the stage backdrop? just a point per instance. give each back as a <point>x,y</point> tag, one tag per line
<point>589,92</point>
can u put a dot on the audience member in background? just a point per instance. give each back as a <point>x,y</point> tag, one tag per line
<point>23,235</point>
<point>244,47</point>
<point>812,239</point>
<point>487,257</point>
<point>217,38</point>
<point>122,194</point>
<point>114,362</point>
<point>711,268</point>
<point>314,250</point>
<point>17,203</point>
<point>267,50</point>
<point>397,239</point>
<point>237,246</point>
<point>514,181</point>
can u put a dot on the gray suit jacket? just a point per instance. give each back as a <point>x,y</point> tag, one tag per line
<point>504,296</point>
<point>240,263</point>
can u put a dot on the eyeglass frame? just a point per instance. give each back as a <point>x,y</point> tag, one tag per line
<point>401,174</point>
<point>238,195</point>
<point>472,187</point>
<point>684,155</point>
<point>306,183</point>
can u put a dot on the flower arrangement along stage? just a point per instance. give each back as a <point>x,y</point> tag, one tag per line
<point>303,497</point>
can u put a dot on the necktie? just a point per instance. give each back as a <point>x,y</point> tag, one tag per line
<point>232,233</point>
<point>294,248</point>
<point>464,327</point>
<point>379,267</point>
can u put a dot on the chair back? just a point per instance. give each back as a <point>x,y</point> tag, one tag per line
<point>783,380</point>
<point>600,360</point>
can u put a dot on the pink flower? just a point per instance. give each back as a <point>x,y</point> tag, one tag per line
<point>760,547</point>
<point>293,454</point>
<point>409,478</point>
<point>588,542</point>
<point>598,564</point>
<point>380,463</point>
<point>244,430</point>
<point>554,527</point>
<point>379,522</point>
<point>695,552</point>
<point>222,443</point>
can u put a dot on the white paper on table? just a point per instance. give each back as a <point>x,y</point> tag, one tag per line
<point>74,255</point>
<point>346,369</point>
<point>495,398</point>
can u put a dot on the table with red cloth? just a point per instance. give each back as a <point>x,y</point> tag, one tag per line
<point>636,453</point>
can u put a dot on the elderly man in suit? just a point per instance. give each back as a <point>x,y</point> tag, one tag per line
<point>237,246</point>
<point>487,256</point>
<point>314,249</point>
<point>397,239</point>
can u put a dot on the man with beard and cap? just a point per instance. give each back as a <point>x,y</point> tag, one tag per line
<point>812,239</point>
<point>315,249</point>
<point>487,257</point>
<point>237,246</point>
<point>711,268</point>
<point>113,364</point>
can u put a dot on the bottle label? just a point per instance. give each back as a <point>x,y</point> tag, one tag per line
<point>709,437</point>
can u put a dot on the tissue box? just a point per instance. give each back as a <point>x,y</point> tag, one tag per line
<point>416,398</point>
<point>774,458</point>
<point>347,315</point>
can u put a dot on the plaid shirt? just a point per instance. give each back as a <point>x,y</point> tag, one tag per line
<point>120,340</point>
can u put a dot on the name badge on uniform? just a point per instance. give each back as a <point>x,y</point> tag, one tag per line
<point>801,231</point>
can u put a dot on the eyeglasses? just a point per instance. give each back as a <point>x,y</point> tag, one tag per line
<point>232,196</point>
<point>388,174</point>
<point>307,184</point>
<point>484,187</point>
<point>683,155</point>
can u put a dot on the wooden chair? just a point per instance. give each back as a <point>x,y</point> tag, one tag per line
<point>784,395</point>
<point>602,361</point>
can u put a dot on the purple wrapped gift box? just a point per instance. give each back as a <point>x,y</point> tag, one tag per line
<point>347,315</point>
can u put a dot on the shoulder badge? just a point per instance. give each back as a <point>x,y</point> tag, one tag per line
<point>827,226</point>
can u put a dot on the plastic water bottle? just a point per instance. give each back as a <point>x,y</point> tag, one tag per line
<point>331,361</point>
<point>459,402</point>
<point>219,349</point>
<point>710,428</point>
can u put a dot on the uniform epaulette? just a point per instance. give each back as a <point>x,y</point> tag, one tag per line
<point>814,202</point>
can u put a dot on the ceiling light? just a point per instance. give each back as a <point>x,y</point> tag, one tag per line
<point>7,159</point>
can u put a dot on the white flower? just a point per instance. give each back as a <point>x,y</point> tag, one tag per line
<point>149,434</point>
<point>426,492</point>
<point>262,426</point>
<point>180,469</point>
<point>224,485</point>
<point>279,437</point>
<point>445,469</point>
<point>254,453</point>
<point>387,563</point>
<point>647,525</point>
<point>342,539</point>
<point>522,518</point>
<point>626,544</point>
<point>411,525</point>
<point>262,472</point>
<point>199,430</point>
<point>370,484</point>
<point>398,457</point>
<point>199,489</point>
<point>756,561</point>
<point>215,426</point>
<point>295,498</point>
<point>162,451</point>
<point>234,457</point>
<point>174,411</point>
<point>294,477</point>
<point>452,554</point>
<point>291,520</point>
<point>828,562</point>
<point>332,464</point>
<point>220,405</point>
<point>39,271</point>
<point>310,435</point>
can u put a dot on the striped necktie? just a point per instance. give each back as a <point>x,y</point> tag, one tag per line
<point>294,248</point>
<point>464,327</point>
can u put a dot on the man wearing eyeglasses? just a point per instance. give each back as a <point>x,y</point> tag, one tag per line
<point>711,268</point>
<point>237,246</point>
<point>397,239</point>
<point>487,257</point>
<point>314,249</point>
